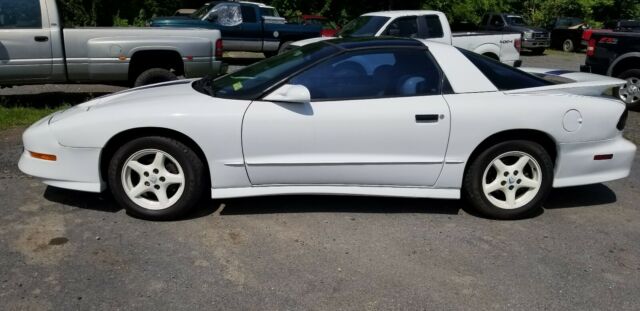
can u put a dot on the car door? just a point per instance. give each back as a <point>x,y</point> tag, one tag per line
<point>376,117</point>
<point>229,18</point>
<point>25,45</point>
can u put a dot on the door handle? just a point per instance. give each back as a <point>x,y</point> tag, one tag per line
<point>427,118</point>
<point>41,38</point>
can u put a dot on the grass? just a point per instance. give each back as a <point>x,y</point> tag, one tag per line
<point>23,116</point>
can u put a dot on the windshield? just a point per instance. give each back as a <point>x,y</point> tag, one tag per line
<point>516,20</point>
<point>201,12</point>
<point>363,26</point>
<point>252,81</point>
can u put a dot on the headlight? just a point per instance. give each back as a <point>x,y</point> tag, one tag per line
<point>528,35</point>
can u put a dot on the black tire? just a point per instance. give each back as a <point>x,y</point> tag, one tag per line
<point>629,75</point>
<point>568,46</point>
<point>283,47</point>
<point>154,75</point>
<point>538,51</point>
<point>475,174</point>
<point>192,170</point>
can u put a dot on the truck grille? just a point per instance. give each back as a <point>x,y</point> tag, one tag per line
<point>540,35</point>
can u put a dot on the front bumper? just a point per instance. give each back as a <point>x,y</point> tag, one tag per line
<point>74,168</point>
<point>576,165</point>
<point>536,43</point>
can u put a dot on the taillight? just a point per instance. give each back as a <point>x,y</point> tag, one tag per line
<point>586,35</point>
<point>219,49</point>
<point>517,43</point>
<point>591,47</point>
<point>623,120</point>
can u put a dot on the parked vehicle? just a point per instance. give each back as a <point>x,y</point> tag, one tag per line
<point>432,25</point>
<point>625,25</point>
<point>244,27</point>
<point>34,49</point>
<point>328,30</point>
<point>566,33</point>
<point>386,117</point>
<point>616,54</point>
<point>534,38</point>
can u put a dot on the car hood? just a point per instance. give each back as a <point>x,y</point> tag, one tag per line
<point>172,105</point>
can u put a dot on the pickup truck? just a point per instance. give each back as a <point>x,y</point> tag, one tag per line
<point>534,39</point>
<point>244,27</point>
<point>432,25</point>
<point>566,33</point>
<point>34,49</point>
<point>616,54</point>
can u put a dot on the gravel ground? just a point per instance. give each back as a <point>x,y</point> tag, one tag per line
<point>70,250</point>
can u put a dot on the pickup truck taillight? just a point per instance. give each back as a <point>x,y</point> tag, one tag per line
<point>591,47</point>
<point>517,43</point>
<point>219,49</point>
<point>586,35</point>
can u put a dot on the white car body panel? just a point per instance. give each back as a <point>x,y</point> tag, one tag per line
<point>359,147</point>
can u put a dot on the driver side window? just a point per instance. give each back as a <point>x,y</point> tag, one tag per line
<point>373,74</point>
<point>496,21</point>
<point>226,15</point>
<point>406,27</point>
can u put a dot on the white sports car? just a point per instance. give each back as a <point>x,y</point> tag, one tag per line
<point>386,117</point>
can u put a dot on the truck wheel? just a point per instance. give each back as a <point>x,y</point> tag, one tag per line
<point>567,45</point>
<point>154,75</point>
<point>537,51</point>
<point>630,92</point>
<point>509,180</point>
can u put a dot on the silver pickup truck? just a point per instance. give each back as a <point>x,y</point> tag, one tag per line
<point>35,49</point>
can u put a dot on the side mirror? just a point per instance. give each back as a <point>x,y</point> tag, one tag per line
<point>290,93</point>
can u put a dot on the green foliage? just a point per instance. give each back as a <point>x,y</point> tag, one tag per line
<point>539,12</point>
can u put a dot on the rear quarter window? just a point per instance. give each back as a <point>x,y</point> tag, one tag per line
<point>504,77</point>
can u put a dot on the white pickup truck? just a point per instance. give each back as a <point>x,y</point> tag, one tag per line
<point>34,49</point>
<point>434,26</point>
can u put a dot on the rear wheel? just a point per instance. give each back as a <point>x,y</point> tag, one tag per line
<point>154,75</point>
<point>156,178</point>
<point>509,180</point>
<point>630,92</point>
<point>567,45</point>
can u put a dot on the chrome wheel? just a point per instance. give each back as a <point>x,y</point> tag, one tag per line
<point>512,180</point>
<point>153,179</point>
<point>630,92</point>
<point>567,45</point>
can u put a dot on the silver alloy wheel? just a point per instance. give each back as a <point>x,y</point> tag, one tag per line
<point>153,179</point>
<point>512,180</point>
<point>630,92</point>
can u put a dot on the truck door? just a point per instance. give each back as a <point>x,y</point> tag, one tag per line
<point>25,43</point>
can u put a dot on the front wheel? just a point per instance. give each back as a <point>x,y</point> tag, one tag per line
<point>509,180</point>
<point>156,178</point>
<point>630,92</point>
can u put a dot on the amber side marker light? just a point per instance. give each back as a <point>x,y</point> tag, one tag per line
<point>43,156</point>
<point>601,157</point>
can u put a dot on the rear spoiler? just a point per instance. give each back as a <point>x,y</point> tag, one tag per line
<point>579,83</point>
<point>591,88</point>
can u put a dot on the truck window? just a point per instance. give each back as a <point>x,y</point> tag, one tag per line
<point>434,26</point>
<point>496,20</point>
<point>406,27</point>
<point>249,14</point>
<point>20,14</point>
<point>363,26</point>
<point>226,15</point>
<point>485,20</point>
